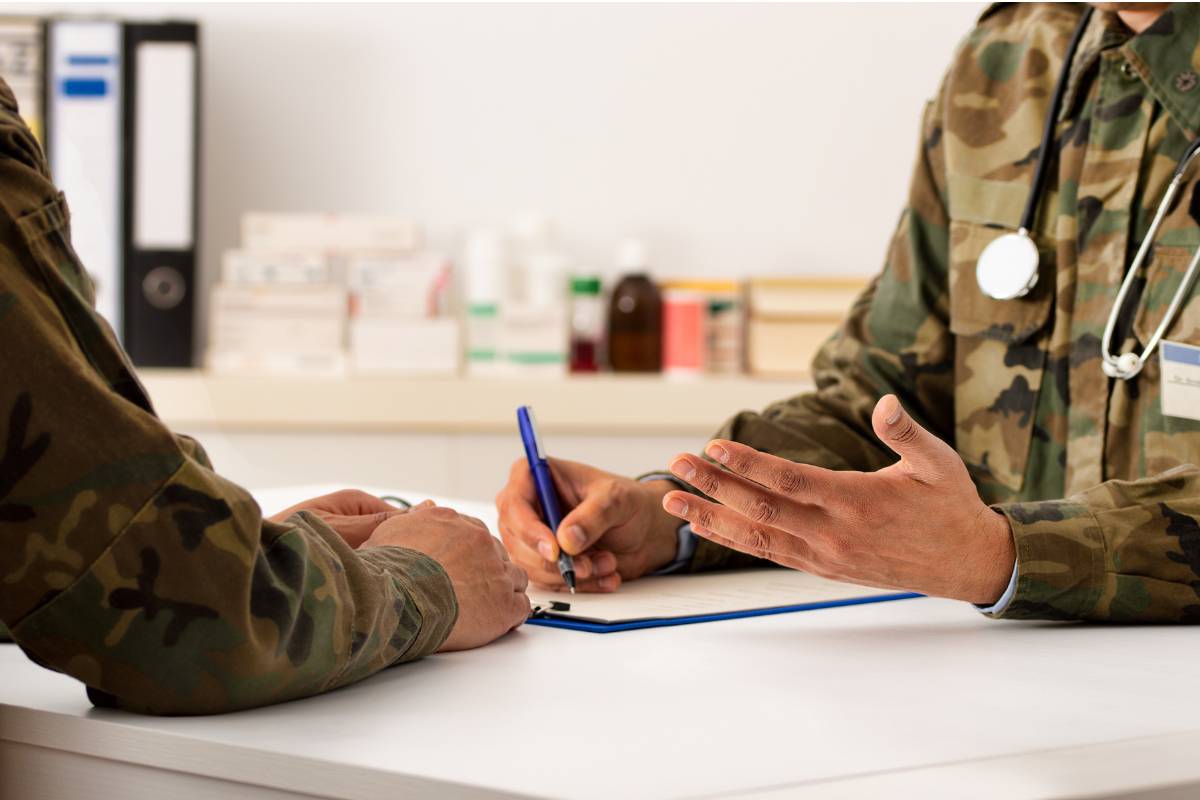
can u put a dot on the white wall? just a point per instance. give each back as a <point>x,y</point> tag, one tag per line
<point>737,138</point>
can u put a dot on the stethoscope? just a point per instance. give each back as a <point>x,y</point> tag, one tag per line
<point>1008,267</point>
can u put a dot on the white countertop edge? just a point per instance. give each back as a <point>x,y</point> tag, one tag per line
<point>1123,768</point>
<point>113,741</point>
<point>1129,767</point>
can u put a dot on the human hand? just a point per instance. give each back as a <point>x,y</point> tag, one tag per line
<point>490,588</point>
<point>616,529</point>
<point>918,524</point>
<point>350,512</point>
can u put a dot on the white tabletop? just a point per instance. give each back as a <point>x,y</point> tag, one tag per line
<point>857,701</point>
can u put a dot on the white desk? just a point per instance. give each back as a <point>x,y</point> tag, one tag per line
<point>921,698</point>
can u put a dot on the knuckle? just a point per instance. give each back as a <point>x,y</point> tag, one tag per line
<point>705,518</point>
<point>907,432</point>
<point>758,539</point>
<point>764,511</point>
<point>476,537</point>
<point>790,481</point>
<point>707,482</point>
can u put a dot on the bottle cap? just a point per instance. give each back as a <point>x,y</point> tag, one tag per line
<point>632,256</point>
<point>585,284</point>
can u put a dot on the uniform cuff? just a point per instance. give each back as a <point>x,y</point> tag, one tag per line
<point>1006,598</point>
<point>1060,560</point>
<point>427,586</point>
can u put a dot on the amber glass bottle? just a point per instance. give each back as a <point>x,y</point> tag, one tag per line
<point>635,325</point>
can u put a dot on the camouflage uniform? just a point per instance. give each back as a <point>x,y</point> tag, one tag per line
<point>1102,490</point>
<point>125,561</point>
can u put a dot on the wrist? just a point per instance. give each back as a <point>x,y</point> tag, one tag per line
<point>662,536</point>
<point>996,554</point>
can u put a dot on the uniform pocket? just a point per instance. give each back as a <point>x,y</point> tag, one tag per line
<point>47,235</point>
<point>999,359</point>
<point>1167,441</point>
<point>1164,276</point>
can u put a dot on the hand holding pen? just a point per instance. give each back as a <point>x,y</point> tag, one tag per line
<point>544,483</point>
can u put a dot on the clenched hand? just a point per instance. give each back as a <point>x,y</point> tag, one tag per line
<point>490,588</point>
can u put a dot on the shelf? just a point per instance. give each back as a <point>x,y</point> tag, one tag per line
<point>191,400</point>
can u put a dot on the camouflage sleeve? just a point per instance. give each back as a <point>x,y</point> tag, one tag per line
<point>1124,551</point>
<point>128,563</point>
<point>895,339</point>
<point>193,450</point>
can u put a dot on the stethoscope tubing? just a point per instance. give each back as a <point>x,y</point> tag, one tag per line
<point>1123,366</point>
<point>1126,365</point>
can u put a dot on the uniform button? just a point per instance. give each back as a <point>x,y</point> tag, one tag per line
<point>1127,69</point>
<point>1186,81</point>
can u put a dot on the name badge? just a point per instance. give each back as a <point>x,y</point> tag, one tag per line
<point>1180,368</point>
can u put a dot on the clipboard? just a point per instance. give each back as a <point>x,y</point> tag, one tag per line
<point>670,600</point>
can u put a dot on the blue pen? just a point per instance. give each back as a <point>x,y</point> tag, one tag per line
<point>544,483</point>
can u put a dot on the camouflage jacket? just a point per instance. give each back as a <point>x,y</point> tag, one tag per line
<point>1102,490</point>
<point>125,560</point>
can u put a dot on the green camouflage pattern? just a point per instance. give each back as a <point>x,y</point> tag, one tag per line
<point>1016,386</point>
<point>125,560</point>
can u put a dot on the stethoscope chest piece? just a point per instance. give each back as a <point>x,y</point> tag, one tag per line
<point>1008,267</point>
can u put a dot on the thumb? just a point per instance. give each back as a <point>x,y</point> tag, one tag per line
<point>925,455</point>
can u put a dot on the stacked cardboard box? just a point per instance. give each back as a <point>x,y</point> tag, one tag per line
<point>278,312</point>
<point>790,318</point>
<point>398,319</point>
<point>331,293</point>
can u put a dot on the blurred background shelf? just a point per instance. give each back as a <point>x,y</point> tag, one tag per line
<point>441,436</point>
<point>601,404</point>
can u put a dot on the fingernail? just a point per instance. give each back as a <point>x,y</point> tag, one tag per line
<point>894,417</point>
<point>575,537</point>
<point>676,506</point>
<point>547,551</point>
<point>715,451</point>
<point>683,468</point>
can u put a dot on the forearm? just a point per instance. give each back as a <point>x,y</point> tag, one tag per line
<point>129,564</point>
<point>198,606</point>
<point>1124,551</point>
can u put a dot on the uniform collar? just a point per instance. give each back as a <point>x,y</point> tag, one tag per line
<point>1104,30</point>
<point>1165,56</point>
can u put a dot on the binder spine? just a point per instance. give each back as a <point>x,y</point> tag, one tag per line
<point>161,204</point>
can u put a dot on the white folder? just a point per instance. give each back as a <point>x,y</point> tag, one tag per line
<point>84,146</point>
